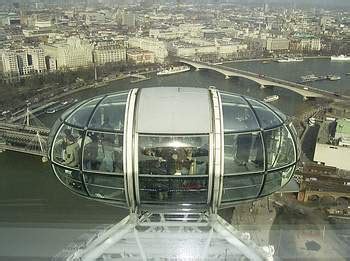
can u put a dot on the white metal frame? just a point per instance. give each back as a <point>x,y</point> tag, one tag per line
<point>218,150</point>
<point>128,151</point>
<point>132,237</point>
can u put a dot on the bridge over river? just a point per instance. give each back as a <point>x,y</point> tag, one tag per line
<point>24,138</point>
<point>265,81</point>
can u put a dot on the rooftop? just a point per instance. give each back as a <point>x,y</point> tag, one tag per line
<point>343,126</point>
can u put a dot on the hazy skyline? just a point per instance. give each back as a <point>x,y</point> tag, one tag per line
<point>297,3</point>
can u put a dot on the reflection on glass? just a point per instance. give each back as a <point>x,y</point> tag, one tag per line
<point>81,116</point>
<point>174,190</point>
<point>103,152</point>
<point>276,179</point>
<point>105,186</point>
<point>266,116</point>
<point>296,137</point>
<point>237,114</point>
<point>243,153</point>
<point>241,187</point>
<point>53,131</point>
<point>66,148</point>
<point>280,147</point>
<point>70,178</point>
<point>173,155</point>
<point>66,113</point>
<point>280,114</point>
<point>110,113</point>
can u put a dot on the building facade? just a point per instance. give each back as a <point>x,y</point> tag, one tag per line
<point>9,65</point>
<point>23,61</point>
<point>150,44</point>
<point>333,144</point>
<point>139,56</point>
<point>72,54</point>
<point>109,52</point>
<point>277,44</point>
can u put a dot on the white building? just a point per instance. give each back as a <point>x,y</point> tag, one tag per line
<point>333,144</point>
<point>9,66</point>
<point>168,34</point>
<point>277,44</point>
<point>150,44</point>
<point>221,50</point>
<point>43,24</point>
<point>72,54</point>
<point>110,52</point>
<point>312,44</point>
<point>23,61</point>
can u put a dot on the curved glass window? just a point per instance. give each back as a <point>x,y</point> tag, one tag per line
<point>173,155</point>
<point>66,148</point>
<point>81,116</point>
<point>71,178</point>
<point>241,187</point>
<point>173,190</point>
<point>243,153</point>
<point>105,186</point>
<point>277,111</point>
<point>171,168</point>
<point>237,114</point>
<point>110,113</point>
<point>56,126</point>
<point>103,152</point>
<point>66,113</point>
<point>275,180</point>
<point>267,118</point>
<point>296,137</point>
<point>279,147</point>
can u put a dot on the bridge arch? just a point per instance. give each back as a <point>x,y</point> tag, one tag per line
<point>343,201</point>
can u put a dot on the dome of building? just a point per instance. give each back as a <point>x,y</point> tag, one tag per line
<point>173,147</point>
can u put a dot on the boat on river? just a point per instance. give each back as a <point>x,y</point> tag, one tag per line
<point>174,70</point>
<point>290,60</point>
<point>340,58</point>
<point>271,98</point>
<point>333,77</point>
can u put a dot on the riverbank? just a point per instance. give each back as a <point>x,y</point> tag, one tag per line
<point>74,91</point>
<point>96,85</point>
<point>269,59</point>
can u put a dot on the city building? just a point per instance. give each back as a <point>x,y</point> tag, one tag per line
<point>277,44</point>
<point>150,44</point>
<point>305,44</point>
<point>72,54</point>
<point>109,52</point>
<point>23,61</point>
<point>50,64</point>
<point>139,56</point>
<point>333,144</point>
<point>129,19</point>
<point>166,34</point>
<point>214,49</point>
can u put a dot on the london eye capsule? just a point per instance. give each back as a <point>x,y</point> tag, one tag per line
<point>173,148</point>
